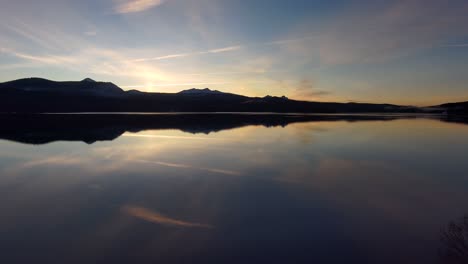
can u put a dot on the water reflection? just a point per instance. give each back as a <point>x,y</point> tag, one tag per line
<point>157,218</point>
<point>315,191</point>
<point>90,128</point>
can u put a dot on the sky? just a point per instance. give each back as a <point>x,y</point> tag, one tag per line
<point>404,52</point>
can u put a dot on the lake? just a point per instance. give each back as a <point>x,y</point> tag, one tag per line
<point>230,188</point>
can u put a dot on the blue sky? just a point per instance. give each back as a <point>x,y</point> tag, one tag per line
<point>406,52</point>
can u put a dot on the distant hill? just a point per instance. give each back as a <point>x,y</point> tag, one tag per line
<point>38,85</point>
<point>205,91</point>
<point>36,95</point>
<point>455,108</point>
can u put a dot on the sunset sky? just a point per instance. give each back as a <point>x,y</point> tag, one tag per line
<point>404,52</point>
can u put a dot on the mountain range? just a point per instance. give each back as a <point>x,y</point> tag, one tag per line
<point>37,95</point>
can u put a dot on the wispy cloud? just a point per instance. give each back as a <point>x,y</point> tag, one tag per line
<point>46,36</point>
<point>25,31</point>
<point>456,45</point>
<point>165,57</point>
<point>398,29</point>
<point>182,55</point>
<point>48,59</point>
<point>227,49</point>
<point>16,66</point>
<point>222,50</point>
<point>227,73</point>
<point>94,61</point>
<point>288,41</point>
<point>134,6</point>
<point>157,218</point>
<point>304,89</point>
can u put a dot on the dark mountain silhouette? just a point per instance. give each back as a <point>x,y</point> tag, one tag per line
<point>37,85</point>
<point>89,128</point>
<point>455,108</point>
<point>35,95</point>
<point>205,91</point>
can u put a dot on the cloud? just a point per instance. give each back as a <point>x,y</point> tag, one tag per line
<point>134,6</point>
<point>157,218</point>
<point>317,93</point>
<point>27,34</point>
<point>305,89</point>
<point>378,31</point>
<point>15,66</point>
<point>455,45</point>
<point>96,61</point>
<point>224,49</point>
<point>165,57</point>
<point>25,31</point>
<point>48,59</point>
<point>227,49</point>
<point>182,55</point>
<point>288,41</point>
<point>226,73</point>
<point>381,32</point>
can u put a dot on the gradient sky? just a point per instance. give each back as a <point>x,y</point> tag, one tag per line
<point>405,52</point>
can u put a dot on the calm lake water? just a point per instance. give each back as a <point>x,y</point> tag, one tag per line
<point>231,189</point>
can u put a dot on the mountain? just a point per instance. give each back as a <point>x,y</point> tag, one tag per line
<point>195,91</point>
<point>89,80</point>
<point>455,108</point>
<point>34,86</point>
<point>36,95</point>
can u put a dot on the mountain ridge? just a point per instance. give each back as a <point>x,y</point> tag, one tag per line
<point>38,95</point>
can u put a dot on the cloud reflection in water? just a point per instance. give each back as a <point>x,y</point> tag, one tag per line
<point>157,218</point>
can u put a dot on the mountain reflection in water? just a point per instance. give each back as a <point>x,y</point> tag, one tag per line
<point>89,128</point>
